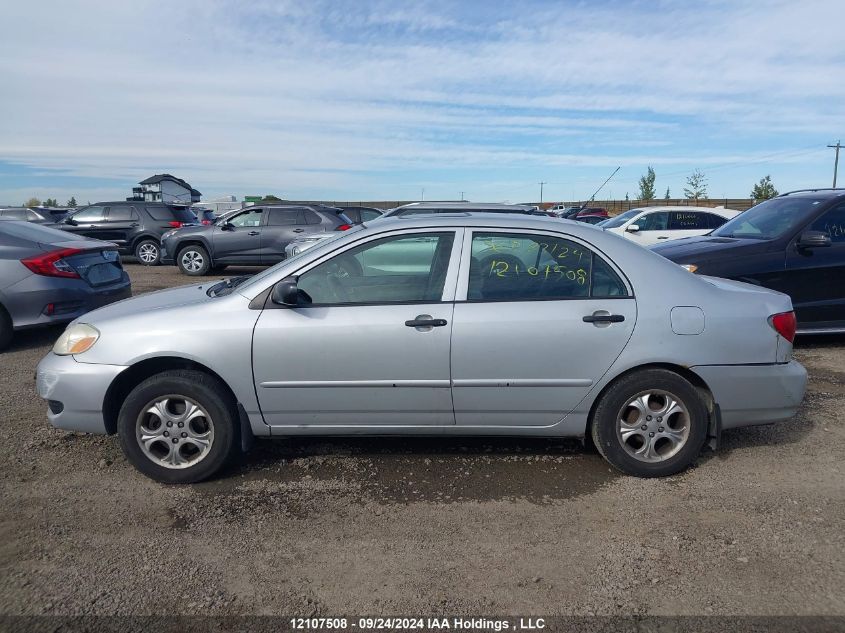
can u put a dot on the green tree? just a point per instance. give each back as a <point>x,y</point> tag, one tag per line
<point>271,198</point>
<point>668,195</point>
<point>696,186</point>
<point>764,189</point>
<point>647,185</point>
<point>71,203</point>
<point>51,202</point>
<point>32,202</point>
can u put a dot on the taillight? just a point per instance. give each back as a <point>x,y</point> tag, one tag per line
<point>52,264</point>
<point>206,222</point>
<point>784,324</point>
<point>343,227</point>
<point>174,224</point>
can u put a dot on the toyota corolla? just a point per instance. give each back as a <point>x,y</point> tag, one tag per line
<point>454,324</point>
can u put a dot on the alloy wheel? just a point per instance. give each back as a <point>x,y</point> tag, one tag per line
<point>653,425</point>
<point>148,253</point>
<point>174,431</point>
<point>192,261</point>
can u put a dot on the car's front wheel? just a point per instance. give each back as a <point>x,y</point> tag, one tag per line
<point>650,423</point>
<point>148,252</point>
<point>193,260</point>
<point>178,427</point>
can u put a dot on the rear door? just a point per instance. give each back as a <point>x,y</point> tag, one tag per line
<point>121,221</point>
<point>239,240</point>
<point>686,224</point>
<point>283,225</point>
<point>539,319</point>
<point>815,278</point>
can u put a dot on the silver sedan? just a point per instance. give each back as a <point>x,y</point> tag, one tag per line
<point>464,324</point>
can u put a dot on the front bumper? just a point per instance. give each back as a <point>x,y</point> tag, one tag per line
<point>75,392</point>
<point>755,394</point>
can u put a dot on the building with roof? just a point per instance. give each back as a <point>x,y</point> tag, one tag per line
<point>165,188</point>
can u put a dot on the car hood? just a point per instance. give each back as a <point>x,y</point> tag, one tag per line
<point>688,250</point>
<point>151,302</point>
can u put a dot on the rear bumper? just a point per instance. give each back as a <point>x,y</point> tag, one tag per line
<point>75,391</point>
<point>27,300</point>
<point>755,394</point>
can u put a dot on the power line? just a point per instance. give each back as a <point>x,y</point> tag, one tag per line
<point>836,162</point>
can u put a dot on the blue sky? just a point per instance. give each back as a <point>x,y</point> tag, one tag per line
<point>396,100</point>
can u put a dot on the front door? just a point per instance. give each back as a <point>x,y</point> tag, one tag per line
<point>653,229</point>
<point>371,349</point>
<point>87,222</point>
<point>238,241</point>
<point>543,320</point>
<point>815,278</point>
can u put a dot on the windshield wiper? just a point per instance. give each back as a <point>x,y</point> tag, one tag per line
<point>226,286</point>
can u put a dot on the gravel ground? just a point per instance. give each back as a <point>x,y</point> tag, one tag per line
<point>433,526</point>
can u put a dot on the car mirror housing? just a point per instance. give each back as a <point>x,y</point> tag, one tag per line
<point>632,228</point>
<point>286,293</point>
<point>226,226</point>
<point>813,239</point>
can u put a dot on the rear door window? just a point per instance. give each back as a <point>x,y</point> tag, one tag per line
<point>15,214</point>
<point>687,221</point>
<point>714,221</point>
<point>284,217</point>
<point>529,267</point>
<point>121,214</point>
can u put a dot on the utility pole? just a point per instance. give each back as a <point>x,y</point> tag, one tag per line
<point>462,196</point>
<point>422,194</point>
<point>836,161</point>
<point>543,182</point>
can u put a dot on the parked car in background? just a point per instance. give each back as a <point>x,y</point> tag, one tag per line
<point>359,215</point>
<point>590,219</point>
<point>470,324</point>
<point>135,227</point>
<point>426,208</point>
<point>255,235</point>
<point>794,243</point>
<point>25,214</point>
<point>48,277</point>
<point>572,213</point>
<point>652,225</point>
<point>205,217</point>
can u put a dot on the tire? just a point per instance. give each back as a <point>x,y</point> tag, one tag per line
<point>6,329</point>
<point>193,260</point>
<point>148,252</point>
<point>667,444</point>
<point>158,405</point>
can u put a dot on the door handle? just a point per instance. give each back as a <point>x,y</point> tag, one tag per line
<point>418,322</point>
<point>663,237</point>
<point>603,318</point>
<point>298,230</point>
<point>134,225</point>
<point>254,233</point>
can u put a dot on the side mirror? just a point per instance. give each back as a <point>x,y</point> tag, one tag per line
<point>632,228</point>
<point>287,294</point>
<point>813,239</point>
<point>69,220</point>
<point>226,226</point>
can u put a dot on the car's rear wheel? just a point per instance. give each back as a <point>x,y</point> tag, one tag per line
<point>148,252</point>
<point>193,260</point>
<point>650,423</point>
<point>6,330</point>
<point>178,426</point>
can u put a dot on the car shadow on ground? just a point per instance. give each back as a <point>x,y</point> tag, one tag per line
<point>27,340</point>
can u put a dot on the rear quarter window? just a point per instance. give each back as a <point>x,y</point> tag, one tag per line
<point>166,214</point>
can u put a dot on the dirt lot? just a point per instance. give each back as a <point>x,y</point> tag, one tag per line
<point>423,526</point>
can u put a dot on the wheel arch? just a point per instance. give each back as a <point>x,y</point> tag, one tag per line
<point>714,423</point>
<point>140,371</point>
<point>145,236</point>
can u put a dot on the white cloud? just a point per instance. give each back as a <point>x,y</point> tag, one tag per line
<point>344,97</point>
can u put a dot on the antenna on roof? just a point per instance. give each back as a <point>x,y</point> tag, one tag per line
<point>593,197</point>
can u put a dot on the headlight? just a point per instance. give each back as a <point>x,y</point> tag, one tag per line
<point>690,267</point>
<point>76,339</point>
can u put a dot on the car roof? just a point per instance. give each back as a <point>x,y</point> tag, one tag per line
<point>823,192</point>
<point>474,219</point>
<point>465,206</point>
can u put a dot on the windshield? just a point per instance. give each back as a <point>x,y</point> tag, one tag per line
<point>770,219</point>
<point>270,271</point>
<point>619,220</point>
